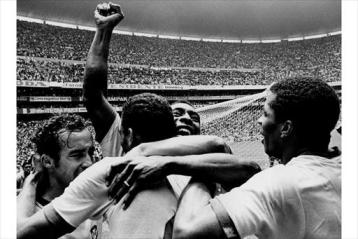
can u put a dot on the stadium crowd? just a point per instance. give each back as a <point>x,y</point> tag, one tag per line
<point>269,61</point>
<point>59,71</point>
<point>35,69</point>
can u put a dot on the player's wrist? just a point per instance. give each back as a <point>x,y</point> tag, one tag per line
<point>105,28</point>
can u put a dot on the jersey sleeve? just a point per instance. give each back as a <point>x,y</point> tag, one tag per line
<point>87,196</point>
<point>262,206</point>
<point>111,143</point>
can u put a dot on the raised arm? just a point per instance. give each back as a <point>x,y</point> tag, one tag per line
<point>102,114</point>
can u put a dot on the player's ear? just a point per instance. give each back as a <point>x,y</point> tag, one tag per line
<point>47,161</point>
<point>130,137</point>
<point>286,129</point>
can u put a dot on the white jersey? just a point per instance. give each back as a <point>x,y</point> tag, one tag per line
<point>89,229</point>
<point>111,143</point>
<point>301,199</point>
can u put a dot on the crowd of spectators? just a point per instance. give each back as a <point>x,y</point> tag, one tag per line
<point>39,69</point>
<point>270,61</point>
<point>44,70</point>
<point>60,71</point>
<point>24,147</point>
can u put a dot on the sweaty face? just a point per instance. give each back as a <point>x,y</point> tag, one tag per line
<point>270,129</point>
<point>75,155</point>
<point>187,120</point>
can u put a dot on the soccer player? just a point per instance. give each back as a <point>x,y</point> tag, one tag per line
<point>300,198</point>
<point>65,146</point>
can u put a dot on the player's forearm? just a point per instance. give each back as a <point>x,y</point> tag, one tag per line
<point>185,145</point>
<point>37,227</point>
<point>96,70</point>
<point>225,169</point>
<point>46,223</point>
<point>24,231</point>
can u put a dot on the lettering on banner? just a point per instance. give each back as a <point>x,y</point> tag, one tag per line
<point>146,87</point>
<point>24,83</point>
<point>49,99</point>
<point>75,85</point>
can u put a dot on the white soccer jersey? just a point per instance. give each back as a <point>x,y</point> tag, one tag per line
<point>111,143</point>
<point>89,229</point>
<point>301,199</point>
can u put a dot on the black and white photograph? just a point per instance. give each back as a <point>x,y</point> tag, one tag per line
<point>140,119</point>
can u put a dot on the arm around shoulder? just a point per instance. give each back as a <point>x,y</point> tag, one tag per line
<point>183,145</point>
<point>46,223</point>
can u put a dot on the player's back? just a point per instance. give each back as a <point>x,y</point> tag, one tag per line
<point>147,216</point>
<point>319,184</point>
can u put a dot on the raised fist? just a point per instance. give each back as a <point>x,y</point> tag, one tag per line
<point>108,15</point>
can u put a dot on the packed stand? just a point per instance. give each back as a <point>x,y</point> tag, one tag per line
<point>58,71</point>
<point>319,57</point>
<point>52,71</point>
<point>38,69</point>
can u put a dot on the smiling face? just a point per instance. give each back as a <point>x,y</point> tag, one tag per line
<point>271,129</point>
<point>187,120</point>
<point>74,157</point>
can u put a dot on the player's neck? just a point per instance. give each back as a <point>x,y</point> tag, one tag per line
<point>297,151</point>
<point>53,190</point>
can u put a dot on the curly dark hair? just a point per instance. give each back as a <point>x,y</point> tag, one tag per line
<point>311,104</point>
<point>150,117</point>
<point>46,138</point>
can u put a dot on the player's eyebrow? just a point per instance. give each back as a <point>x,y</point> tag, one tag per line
<point>78,150</point>
<point>180,110</point>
